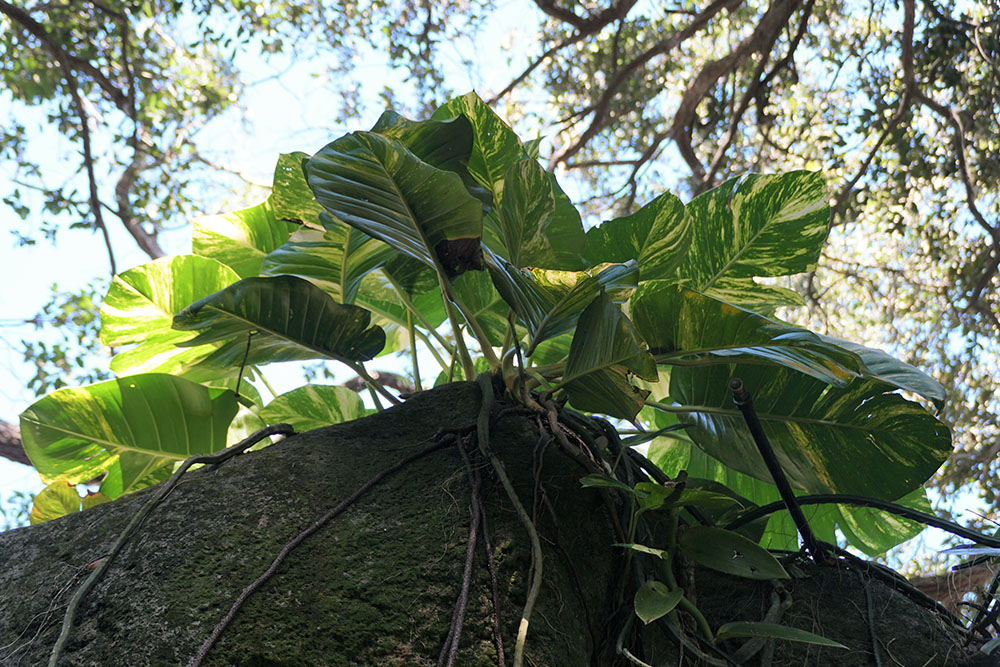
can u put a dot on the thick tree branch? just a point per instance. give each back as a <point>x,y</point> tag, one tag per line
<point>590,24</point>
<point>760,40</point>
<point>664,46</point>
<point>10,444</point>
<point>754,90</point>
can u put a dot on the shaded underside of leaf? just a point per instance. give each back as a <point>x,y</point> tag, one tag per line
<point>604,351</point>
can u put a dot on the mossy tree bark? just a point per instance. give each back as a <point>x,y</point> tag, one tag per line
<point>378,584</point>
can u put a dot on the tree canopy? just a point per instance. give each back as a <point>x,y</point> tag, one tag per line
<point>897,105</point>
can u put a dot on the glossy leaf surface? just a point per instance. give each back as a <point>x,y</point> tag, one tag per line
<point>653,600</point>
<point>685,327</point>
<point>772,631</point>
<point>337,259</point>
<point>870,530</point>
<point>729,552</point>
<point>533,234</point>
<point>291,197</point>
<point>604,351</point>
<point>140,307</point>
<point>657,237</point>
<point>314,406</point>
<point>755,226</point>
<point>241,239</point>
<point>859,439</point>
<point>133,428</point>
<point>379,187</point>
<point>291,319</point>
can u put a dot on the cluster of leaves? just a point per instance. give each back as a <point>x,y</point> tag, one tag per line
<point>447,235</point>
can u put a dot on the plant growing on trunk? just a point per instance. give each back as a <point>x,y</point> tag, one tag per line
<point>445,236</point>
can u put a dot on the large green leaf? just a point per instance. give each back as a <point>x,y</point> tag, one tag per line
<point>314,406</point>
<point>872,531</point>
<point>242,238</point>
<point>495,147</point>
<point>290,317</point>
<point>548,302</point>
<point>604,351</point>
<point>140,307</point>
<point>860,438</point>
<point>654,600</point>
<point>686,328</point>
<point>533,234</point>
<point>337,260</point>
<point>381,188</point>
<point>755,226</point>
<point>291,197</point>
<point>133,428</point>
<point>444,144</point>
<point>657,236</point>
<point>772,631</point>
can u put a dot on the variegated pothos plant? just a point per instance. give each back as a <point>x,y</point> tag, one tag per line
<point>447,236</point>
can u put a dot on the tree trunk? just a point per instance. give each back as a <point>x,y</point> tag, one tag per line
<point>377,585</point>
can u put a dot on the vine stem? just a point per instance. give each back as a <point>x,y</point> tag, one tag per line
<point>410,307</point>
<point>140,516</point>
<point>463,352</point>
<point>483,432</point>
<point>477,331</point>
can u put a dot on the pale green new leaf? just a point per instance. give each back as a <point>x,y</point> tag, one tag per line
<point>685,328</point>
<point>654,600</point>
<point>314,406</point>
<point>859,439</point>
<point>547,302</point>
<point>657,236</point>
<point>133,428</point>
<point>604,351</point>
<point>290,319</point>
<point>240,239</point>
<point>772,631</point>
<point>755,226</point>
<point>140,307</point>
<point>379,187</point>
